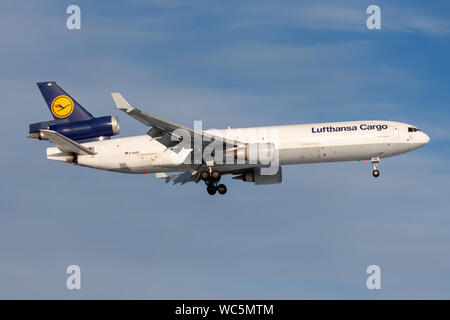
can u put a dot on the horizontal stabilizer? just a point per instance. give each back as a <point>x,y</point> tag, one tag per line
<point>65,144</point>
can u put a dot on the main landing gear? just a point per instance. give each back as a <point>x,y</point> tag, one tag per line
<point>212,178</point>
<point>375,162</point>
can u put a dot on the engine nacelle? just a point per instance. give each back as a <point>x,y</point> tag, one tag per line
<point>255,153</point>
<point>254,175</point>
<point>78,130</point>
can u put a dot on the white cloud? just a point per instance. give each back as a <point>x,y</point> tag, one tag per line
<point>333,16</point>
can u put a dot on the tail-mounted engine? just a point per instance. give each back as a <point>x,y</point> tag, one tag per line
<point>93,129</point>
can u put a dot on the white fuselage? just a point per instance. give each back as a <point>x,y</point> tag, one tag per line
<point>296,144</point>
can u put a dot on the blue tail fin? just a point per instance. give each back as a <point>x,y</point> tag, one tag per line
<point>61,105</point>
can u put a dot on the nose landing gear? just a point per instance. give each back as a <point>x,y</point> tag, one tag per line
<point>375,162</point>
<point>211,179</point>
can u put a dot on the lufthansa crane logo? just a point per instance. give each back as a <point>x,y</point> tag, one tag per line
<point>62,107</point>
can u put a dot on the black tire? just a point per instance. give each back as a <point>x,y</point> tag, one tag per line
<point>222,189</point>
<point>376,173</point>
<point>216,175</point>
<point>209,182</point>
<point>211,190</point>
<point>204,175</point>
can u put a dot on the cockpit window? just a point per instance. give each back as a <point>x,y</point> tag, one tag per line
<point>411,129</point>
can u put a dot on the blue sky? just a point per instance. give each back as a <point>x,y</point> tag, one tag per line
<point>236,63</point>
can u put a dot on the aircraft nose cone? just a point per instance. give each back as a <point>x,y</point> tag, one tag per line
<point>425,138</point>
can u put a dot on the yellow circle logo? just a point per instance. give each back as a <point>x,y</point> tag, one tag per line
<point>62,107</point>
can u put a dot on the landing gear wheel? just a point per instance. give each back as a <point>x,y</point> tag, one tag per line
<point>209,182</point>
<point>376,173</point>
<point>216,175</point>
<point>204,175</point>
<point>211,190</point>
<point>222,189</point>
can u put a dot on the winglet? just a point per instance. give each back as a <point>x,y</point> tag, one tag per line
<point>120,102</point>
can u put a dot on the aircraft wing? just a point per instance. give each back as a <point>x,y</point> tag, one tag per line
<point>163,130</point>
<point>189,176</point>
<point>65,144</point>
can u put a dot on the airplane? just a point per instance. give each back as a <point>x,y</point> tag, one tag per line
<point>181,154</point>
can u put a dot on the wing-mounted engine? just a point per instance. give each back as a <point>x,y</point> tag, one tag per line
<point>253,153</point>
<point>255,175</point>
